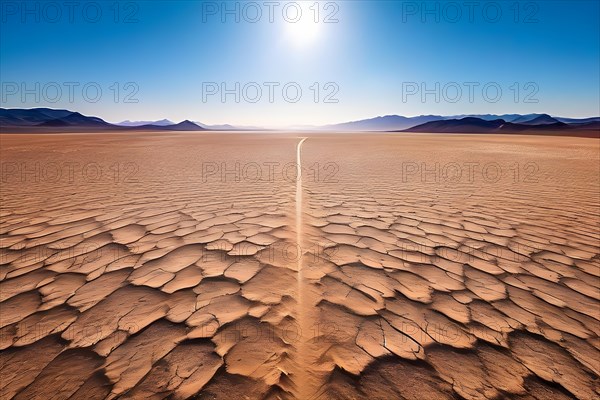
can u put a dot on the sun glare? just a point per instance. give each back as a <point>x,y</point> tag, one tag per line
<point>304,31</point>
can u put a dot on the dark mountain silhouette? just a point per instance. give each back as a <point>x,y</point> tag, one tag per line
<point>522,118</point>
<point>536,119</point>
<point>186,125</point>
<point>182,126</point>
<point>75,120</point>
<point>594,125</point>
<point>46,117</point>
<point>488,117</point>
<point>578,120</point>
<point>516,118</point>
<point>478,125</point>
<point>49,120</point>
<point>465,125</point>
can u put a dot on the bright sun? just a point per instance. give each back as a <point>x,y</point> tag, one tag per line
<point>304,31</point>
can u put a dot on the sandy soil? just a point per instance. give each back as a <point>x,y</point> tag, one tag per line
<point>143,266</point>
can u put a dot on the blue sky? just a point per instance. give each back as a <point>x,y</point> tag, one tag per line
<point>360,59</point>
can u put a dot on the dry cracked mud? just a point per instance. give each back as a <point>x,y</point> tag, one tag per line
<point>197,266</point>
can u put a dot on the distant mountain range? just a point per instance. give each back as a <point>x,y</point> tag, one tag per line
<point>47,117</point>
<point>162,122</point>
<point>475,125</point>
<point>166,122</point>
<point>400,123</point>
<point>51,120</point>
<point>539,124</point>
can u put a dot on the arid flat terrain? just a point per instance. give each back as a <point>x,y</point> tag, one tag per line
<point>398,266</point>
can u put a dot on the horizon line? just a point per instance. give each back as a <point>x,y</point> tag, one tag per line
<point>298,125</point>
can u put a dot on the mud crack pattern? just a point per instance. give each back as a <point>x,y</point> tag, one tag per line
<point>177,285</point>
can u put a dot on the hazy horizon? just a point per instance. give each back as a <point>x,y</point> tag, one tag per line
<point>299,127</point>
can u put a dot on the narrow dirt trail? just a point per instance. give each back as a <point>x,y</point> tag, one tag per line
<point>299,226</point>
<point>307,378</point>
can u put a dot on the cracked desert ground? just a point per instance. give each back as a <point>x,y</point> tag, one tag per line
<point>133,267</point>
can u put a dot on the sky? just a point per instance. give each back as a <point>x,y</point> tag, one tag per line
<point>280,63</point>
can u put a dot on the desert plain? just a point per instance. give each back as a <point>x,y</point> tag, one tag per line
<point>284,265</point>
